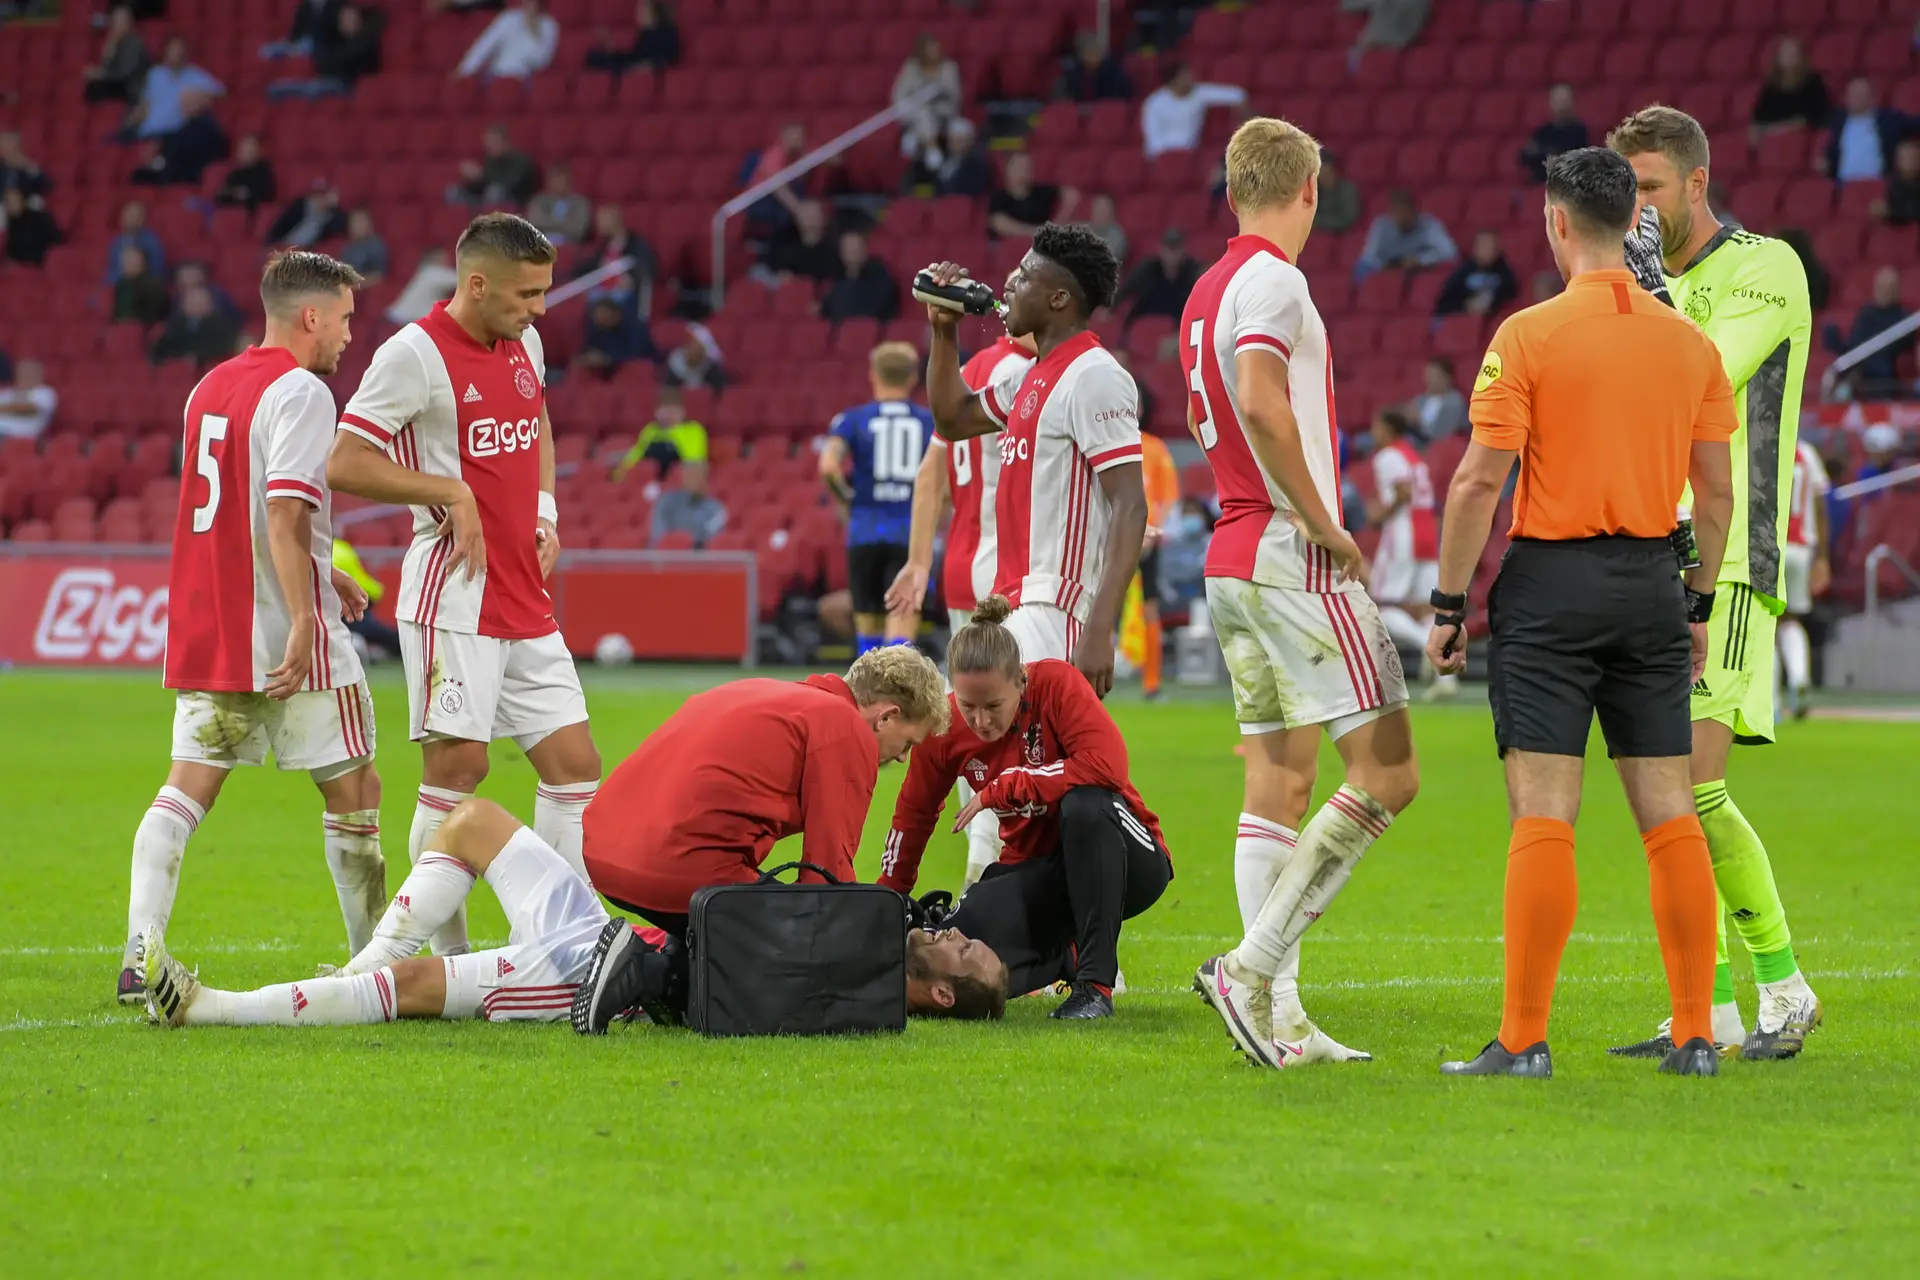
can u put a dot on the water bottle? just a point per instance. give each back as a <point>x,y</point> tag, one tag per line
<point>969,297</point>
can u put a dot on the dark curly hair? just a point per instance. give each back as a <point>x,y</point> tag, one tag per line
<point>1083,255</point>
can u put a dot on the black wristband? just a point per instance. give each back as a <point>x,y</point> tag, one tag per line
<point>1445,603</point>
<point>1699,605</point>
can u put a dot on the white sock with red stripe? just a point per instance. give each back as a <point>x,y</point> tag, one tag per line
<point>432,894</point>
<point>1330,844</point>
<point>432,808</point>
<point>558,809</point>
<point>359,872</point>
<point>339,1001</point>
<point>158,846</point>
<point>1261,851</point>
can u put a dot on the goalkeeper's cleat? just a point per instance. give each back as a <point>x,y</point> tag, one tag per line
<point>1086,1003</point>
<point>1728,1036</point>
<point>173,988</point>
<point>613,980</point>
<point>1246,1008</point>
<point>1317,1047</point>
<point>132,988</point>
<point>1535,1062</point>
<point>1696,1057</point>
<point>1789,1013</point>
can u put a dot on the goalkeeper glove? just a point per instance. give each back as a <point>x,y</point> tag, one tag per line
<point>1643,254</point>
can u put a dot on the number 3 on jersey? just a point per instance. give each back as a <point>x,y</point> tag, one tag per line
<point>1197,391</point>
<point>213,429</point>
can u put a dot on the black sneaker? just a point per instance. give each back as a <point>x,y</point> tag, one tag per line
<point>613,980</point>
<point>1694,1058</point>
<point>1086,1001</point>
<point>1534,1062</point>
<point>1658,1045</point>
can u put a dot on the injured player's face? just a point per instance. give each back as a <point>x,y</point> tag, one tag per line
<point>954,976</point>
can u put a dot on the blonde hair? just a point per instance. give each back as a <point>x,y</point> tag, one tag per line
<point>1269,162</point>
<point>904,676</point>
<point>895,364</point>
<point>983,644</point>
<point>1667,131</point>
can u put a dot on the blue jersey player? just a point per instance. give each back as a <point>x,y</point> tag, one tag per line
<point>872,454</point>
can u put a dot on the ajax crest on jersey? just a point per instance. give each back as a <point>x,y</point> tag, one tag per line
<point>1700,305</point>
<point>1031,403</point>
<point>525,383</point>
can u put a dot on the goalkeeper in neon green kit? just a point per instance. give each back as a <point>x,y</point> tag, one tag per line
<point>1749,294</point>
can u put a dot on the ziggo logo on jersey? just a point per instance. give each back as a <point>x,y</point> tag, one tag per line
<point>487,437</point>
<point>1014,450</point>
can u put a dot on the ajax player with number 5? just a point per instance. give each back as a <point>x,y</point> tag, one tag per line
<point>451,420</point>
<point>255,644</point>
<point>1304,645</point>
<point>871,456</point>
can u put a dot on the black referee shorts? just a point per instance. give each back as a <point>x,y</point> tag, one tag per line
<point>1150,576</point>
<point>871,569</point>
<point>1595,625</point>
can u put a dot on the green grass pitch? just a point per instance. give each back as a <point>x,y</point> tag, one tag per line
<point>1142,1147</point>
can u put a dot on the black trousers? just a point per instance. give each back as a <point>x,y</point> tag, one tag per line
<point>1058,916</point>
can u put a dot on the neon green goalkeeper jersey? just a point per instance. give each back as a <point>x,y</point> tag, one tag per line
<point>1749,293</point>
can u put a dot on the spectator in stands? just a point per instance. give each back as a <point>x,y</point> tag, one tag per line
<point>1393,24</point>
<point>134,231</point>
<point>863,286</point>
<point>122,68</point>
<point>366,249</point>
<point>6,366</point>
<point>777,210</point>
<point>516,45</point>
<point>250,183</point>
<point>669,439</point>
<point>161,108</point>
<point>1882,441</point>
<point>1878,376</point>
<point>690,509</point>
<point>27,406</point>
<point>1404,237</point>
<point>345,53</point>
<point>655,45</point>
<point>139,295</point>
<point>193,275</point>
<point>956,166</point>
<point>31,232</point>
<point>929,66</point>
<point>1159,285</point>
<point>1563,131</point>
<point>1440,410</point>
<point>433,281</point>
<point>811,253</point>
<point>1901,203</point>
<point>1021,207</point>
<point>1483,282</point>
<point>612,242</point>
<point>624,292</point>
<point>1339,207</point>
<point>1172,117</point>
<point>1093,72</point>
<point>1862,136</point>
<point>309,220</point>
<point>560,212</point>
<point>697,361</point>
<point>1793,95</point>
<point>18,171</point>
<point>503,174</point>
<point>614,337</point>
<point>1819,284</point>
<point>1104,221</point>
<point>196,331</point>
<point>184,156</point>
<point>313,21</point>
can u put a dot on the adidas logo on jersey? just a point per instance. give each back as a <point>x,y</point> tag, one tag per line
<point>473,394</point>
<point>503,966</point>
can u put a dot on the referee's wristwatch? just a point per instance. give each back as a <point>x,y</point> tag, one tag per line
<point>1452,609</point>
<point>1699,605</point>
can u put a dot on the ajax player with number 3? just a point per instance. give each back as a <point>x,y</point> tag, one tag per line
<point>255,644</point>
<point>451,420</point>
<point>1304,645</point>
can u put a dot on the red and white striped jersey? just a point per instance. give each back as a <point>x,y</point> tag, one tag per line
<point>973,476</point>
<point>1067,417</point>
<point>1410,533</point>
<point>443,404</point>
<point>1253,299</point>
<point>1810,487</point>
<point>257,427</point>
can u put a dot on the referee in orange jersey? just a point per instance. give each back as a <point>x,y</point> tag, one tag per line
<point>1612,401</point>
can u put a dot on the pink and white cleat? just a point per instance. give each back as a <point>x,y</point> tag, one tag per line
<point>1246,1008</point>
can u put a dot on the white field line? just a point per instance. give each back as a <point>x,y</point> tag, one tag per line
<point>256,947</point>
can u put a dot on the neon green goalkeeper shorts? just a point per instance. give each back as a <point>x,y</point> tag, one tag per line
<point>1737,687</point>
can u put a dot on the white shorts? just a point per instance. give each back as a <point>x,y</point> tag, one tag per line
<point>1796,570</point>
<point>1044,631</point>
<point>1302,658</point>
<point>1404,582</point>
<point>556,920</point>
<point>481,689</point>
<point>327,732</point>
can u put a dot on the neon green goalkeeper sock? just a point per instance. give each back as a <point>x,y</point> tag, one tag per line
<point>1745,880</point>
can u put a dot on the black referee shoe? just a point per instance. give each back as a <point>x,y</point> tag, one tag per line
<point>1086,1002</point>
<point>1534,1062</point>
<point>1694,1058</point>
<point>613,980</point>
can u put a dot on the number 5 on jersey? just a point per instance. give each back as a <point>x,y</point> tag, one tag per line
<point>213,429</point>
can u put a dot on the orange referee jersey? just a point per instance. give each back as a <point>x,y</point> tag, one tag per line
<point>1160,478</point>
<point>1602,391</point>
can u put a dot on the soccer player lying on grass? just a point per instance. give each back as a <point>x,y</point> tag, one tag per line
<point>1082,851</point>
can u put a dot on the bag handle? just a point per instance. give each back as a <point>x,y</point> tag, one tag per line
<point>773,876</point>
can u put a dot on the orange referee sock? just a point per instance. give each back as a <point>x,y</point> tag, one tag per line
<point>1685,913</point>
<point>1150,670</point>
<point>1543,892</point>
